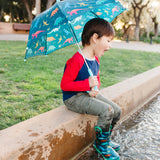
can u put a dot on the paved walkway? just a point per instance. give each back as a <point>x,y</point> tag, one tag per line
<point>132,45</point>
<point>139,46</point>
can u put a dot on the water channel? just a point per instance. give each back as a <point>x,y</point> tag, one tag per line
<point>139,135</point>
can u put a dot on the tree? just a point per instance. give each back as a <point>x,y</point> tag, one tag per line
<point>1,10</point>
<point>138,7</point>
<point>49,3</point>
<point>19,10</point>
<point>38,7</point>
<point>29,11</point>
<point>155,15</point>
<point>127,20</point>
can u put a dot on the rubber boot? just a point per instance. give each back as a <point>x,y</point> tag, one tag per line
<point>114,145</point>
<point>101,144</point>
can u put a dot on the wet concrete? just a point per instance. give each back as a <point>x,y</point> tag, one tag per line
<point>139,136</point>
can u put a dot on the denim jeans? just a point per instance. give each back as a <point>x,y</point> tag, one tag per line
<point>107,111</point>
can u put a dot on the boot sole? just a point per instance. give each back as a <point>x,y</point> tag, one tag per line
<point>102,154</point>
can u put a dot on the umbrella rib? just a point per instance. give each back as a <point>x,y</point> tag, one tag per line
<point>95,14</point>
<point>89,70</point>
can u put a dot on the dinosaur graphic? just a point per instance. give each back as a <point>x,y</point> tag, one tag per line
<point>82,4</point>
<point>100,1</point>
<point>66,31</point>
<point>36,23</point>
<point>115,9</point>
<point>98,13</point>
<point>67,5</point>
<point>60,39</point>
<point>78,19</point>
<point>77,27</point>
<point>48,29</point>
<point>36,45</point>
<point>68,40</point>
<point>45,23</point>
<point>29,51</point>
<point>51,48</point>
<point>50,39</point>
<point>106,12</point>
<point>41,49</point>
<point>43,39</point>
<point>58,20</point>
<point>74,11</point>
<point>54,30</point>
<point>36,34</point>
<point>54,12</point>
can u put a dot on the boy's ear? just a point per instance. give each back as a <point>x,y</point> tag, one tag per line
<point>95,37</point>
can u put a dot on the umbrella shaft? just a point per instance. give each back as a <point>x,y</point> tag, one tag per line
<point>89,70</point>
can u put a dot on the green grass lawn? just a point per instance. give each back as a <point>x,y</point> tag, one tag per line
<point>33,87</point>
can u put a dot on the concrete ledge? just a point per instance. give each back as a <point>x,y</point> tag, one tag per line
<point>61,134</point>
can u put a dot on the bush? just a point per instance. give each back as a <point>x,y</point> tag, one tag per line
<point>148,40</point>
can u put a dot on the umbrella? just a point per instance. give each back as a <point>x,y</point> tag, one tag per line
<point>62,24</point>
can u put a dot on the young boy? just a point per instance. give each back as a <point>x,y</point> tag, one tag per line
<point>78,87</point>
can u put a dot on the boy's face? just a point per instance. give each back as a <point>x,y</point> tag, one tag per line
<point>102,44</point>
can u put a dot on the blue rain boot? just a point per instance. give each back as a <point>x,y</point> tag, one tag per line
<point>101,144</point>
<point>114,145</point>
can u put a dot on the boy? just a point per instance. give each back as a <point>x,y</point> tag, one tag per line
<point>78,87</point>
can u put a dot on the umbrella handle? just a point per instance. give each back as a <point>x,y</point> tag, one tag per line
<point>91,74</point>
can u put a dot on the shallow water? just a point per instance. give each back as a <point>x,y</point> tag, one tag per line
<point>139,136</point>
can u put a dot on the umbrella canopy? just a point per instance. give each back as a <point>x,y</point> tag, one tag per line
<point>62,24</point>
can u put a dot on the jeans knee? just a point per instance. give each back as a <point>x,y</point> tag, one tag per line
<point>109,112</point>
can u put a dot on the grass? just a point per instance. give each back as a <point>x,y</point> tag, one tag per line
<point>33,87</point>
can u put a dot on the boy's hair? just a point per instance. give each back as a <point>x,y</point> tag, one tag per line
<point>99,26</point>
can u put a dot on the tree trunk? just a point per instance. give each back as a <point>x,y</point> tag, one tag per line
<point>137,33</point>
<point>28,11</point>
<point>137,29</point>
<point>49,3</point>
<point>38,7</point>
<point>1,14</point>
<point>138,8</point>
<point>156,29</point>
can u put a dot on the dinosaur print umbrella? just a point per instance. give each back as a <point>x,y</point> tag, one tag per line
<point>62,24</point>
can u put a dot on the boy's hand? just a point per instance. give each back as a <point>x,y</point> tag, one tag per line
<point>93,81</point>
<point>93,93</point>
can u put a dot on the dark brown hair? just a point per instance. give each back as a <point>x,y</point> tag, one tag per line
<point>96,25</point>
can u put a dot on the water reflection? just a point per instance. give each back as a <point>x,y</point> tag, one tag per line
<point>139,136</point>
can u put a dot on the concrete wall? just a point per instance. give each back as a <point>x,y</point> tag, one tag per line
<point>61,134</point>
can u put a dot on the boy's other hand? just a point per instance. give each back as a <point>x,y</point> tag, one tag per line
<point>93,92</point>
<point>93,81</point>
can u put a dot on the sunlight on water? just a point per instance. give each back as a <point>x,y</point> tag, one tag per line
<point>139,136</point>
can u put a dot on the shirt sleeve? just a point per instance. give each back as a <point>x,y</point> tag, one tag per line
<point>68,82</point>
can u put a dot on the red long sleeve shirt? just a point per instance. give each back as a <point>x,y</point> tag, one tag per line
<point>75,76</point>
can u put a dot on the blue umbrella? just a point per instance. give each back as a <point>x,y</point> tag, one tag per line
<point>62,24</point>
